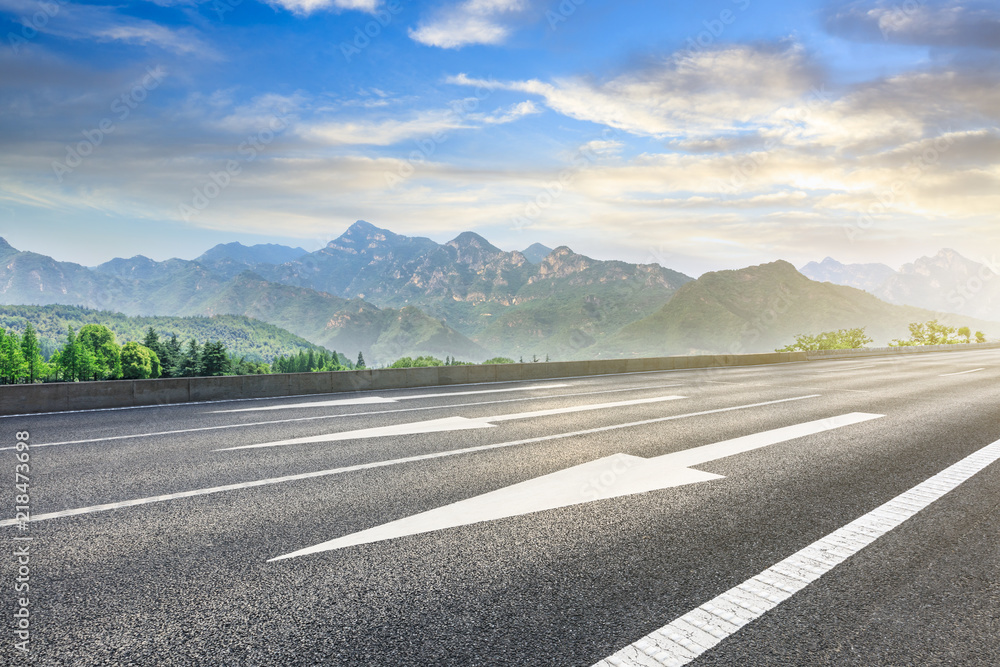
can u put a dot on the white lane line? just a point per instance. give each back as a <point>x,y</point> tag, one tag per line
<point>628,475</point>
<point>694,633</point>
<point>382,464</point>
<point>368,400</point>
<point>445,424</point>
<point>975,370</point>
<point>853,368</point>
<point>346,414</point>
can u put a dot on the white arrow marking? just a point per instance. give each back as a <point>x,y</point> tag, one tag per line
<point>609,477</point>
<point>372,400</point>
<point>447,424</point>
<point>107,507</point>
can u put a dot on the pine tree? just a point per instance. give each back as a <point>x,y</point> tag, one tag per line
<point>361,361</point>
<point>189,363</point>
<point>34,363</point>
<point>170,356</point>
<point>213,359</point>
<point>69,357</point>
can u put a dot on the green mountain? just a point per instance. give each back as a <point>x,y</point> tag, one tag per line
<point>243,336</point>
<point>555,305</point>
<point>761,308</point>
<point>140,286</point>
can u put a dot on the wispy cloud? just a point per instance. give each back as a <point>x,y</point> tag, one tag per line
<point>950,23</point>
<point>106,24</point>
<point>688,94</point>
<point>309,6</point>
<point>469,22</point>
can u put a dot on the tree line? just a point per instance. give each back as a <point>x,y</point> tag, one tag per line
<point>921,333</point>
<point>93,353</point>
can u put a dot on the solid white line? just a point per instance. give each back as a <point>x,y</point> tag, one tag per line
<point>694,633</point>
<point>975,370</point>
<point>346,414</point>
<point>443,425</point>
<point>366,400</point>
<point>381,464</point>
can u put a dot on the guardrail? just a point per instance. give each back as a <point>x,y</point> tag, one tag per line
<point>66,396</point>
<point>69,396</point>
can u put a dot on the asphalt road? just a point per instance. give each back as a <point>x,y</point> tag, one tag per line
<point>190,578</point>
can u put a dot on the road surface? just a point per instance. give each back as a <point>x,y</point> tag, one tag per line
<point>714,516</point>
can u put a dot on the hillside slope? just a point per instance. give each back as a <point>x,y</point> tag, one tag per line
<point>761,308</point>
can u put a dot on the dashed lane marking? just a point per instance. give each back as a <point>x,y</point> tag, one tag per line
<point>338,416</point>
<point>381,464</point>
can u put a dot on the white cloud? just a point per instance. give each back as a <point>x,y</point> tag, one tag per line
<point>469,22</point>
<point>103,23</point>
<point>382,132</point>
<point>928,22</point>
<point>689,94</point>
<point>309,6</point>
<point>511,113</point>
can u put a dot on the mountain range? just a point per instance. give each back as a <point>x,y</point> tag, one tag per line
<point>390,295</point>
<point>946,283</point>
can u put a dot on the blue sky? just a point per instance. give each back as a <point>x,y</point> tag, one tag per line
<point>701,135</point>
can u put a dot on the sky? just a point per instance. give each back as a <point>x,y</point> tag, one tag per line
<point>698,135</point>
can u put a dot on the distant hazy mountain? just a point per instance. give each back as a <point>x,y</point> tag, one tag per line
<point>536,252</point>
<point>262,253</point>
<point>232,258</point>
<point>868,277</point>
<point>243,336</point>
<point>761,308</point>
<point>946,282</point>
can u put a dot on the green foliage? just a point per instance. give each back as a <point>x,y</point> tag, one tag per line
<point>35,365</point>
<point>214,360</point>
<point>100,340</point>
<point>12,366</point>
<point>189,363</point>
<point>255,340</point>
<point>361,361</point>
<point>136,360</point>
<point>323,360</point>
<point>842,339</point>
<point>500,360</point>
<point>936,333</point>
<point>419,362</point>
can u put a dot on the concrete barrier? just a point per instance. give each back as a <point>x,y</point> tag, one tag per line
<point>56,397</point>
